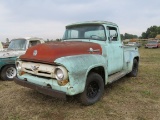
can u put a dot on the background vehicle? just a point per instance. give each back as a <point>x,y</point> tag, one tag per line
<point>16,48</point>
<point>152,44</point>
<point>1,46</point>
<point>137,44</point>
<point>90,56</point>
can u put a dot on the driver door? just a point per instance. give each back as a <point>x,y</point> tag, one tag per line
<point>114,50</point>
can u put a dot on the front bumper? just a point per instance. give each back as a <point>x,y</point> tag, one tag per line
<point>41,89</point>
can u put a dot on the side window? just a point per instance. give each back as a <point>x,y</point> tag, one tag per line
<point>113,34</point>
<point>97,34</point>
<point>73,34</point>
<point>33,43</point>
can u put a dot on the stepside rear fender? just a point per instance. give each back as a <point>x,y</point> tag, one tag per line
<point>130,53</point>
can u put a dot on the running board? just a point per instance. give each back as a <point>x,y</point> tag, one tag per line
<point>116,76</point>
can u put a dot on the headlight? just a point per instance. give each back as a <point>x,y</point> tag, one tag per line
<point>18,65</point>
<point>61,75</point>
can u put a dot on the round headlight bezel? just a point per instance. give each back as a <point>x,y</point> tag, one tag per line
<point>18,65</point>
<point>61,73</point>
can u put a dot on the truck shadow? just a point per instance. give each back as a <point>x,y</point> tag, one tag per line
<point>39,97</point>
<point>72,101</point>
<point>112,86</point>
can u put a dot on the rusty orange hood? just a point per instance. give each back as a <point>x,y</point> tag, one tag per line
<point>49,52</point>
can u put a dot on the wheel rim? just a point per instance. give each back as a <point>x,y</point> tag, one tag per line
<point>92,89</point>
<point>11,72</point>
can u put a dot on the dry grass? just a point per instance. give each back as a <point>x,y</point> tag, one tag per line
<point>127,99</point>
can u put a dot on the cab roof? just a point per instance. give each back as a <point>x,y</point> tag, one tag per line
<point>29,38</point>
<point>93,22</point>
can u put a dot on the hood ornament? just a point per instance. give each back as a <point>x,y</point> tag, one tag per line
<point>34,68</point>
<point>35,52</point>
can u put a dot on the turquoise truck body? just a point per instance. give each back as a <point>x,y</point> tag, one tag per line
<point>115,62</point>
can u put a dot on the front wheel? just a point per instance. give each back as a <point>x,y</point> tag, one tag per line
<point>134,71</point>
<point>8,72</point>
<point>93,90</point>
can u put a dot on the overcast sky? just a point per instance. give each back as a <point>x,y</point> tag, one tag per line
<point>48,18</point>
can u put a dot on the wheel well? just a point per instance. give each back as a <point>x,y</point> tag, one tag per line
<point>100,71</point>
<point>137,58</point>
<point>5,66</point>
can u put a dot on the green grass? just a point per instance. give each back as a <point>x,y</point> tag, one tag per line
<point>127,99</point>
<point>13,117</point>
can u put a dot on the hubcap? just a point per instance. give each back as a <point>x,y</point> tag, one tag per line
<point>11,72</point>
<point>92,90</point>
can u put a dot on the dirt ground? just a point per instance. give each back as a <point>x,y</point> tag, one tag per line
<point>127,99</point>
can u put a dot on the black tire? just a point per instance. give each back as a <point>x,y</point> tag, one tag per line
<point>134,71</point>
<point>93,90</point>
<point>8,72</point>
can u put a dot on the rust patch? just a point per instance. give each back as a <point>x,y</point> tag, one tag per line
<point>63,82</point>
<point>49,52</point>
<point>21,73</point>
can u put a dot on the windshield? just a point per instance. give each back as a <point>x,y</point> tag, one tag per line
<point>1,46</point>
<point>94,32</point>
<point>17,44</point>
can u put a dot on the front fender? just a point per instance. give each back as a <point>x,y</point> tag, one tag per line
<point>78,67</point>
<point>7,61</point>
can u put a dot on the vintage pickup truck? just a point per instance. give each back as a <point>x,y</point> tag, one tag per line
<point>16,48</point>
<point>90,56</point>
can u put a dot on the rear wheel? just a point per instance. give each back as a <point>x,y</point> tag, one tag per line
<point>93,90</point>
<point>134,71</point>
<point>8,72</point>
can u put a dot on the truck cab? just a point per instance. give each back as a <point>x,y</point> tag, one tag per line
<point>16,48</point>
<point>90,56</point>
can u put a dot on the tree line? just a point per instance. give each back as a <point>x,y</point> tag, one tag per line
<point>128,36</point>
<point>151,32</point>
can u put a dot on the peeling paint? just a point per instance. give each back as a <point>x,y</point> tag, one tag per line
<point>9,53</point>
